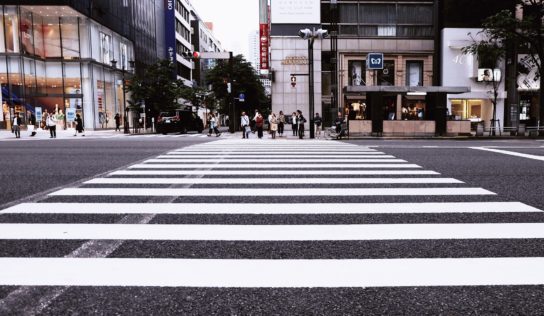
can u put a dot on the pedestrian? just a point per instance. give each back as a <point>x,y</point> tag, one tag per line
<point>259,122</point>
<point>244,123</point>
<point>32,124</point>
<point>273,125</point>
<point>338,125</point>
<point>294,123</point>
<point>213,125</point>
<point>301,120</point>
<point>79,125</point>
<point>254,127</point>
<point>317,122</point>
<point>51,123</point>
<point>281,123</point>
<point>17,125</point>
<point>117,118</point>
<point>269,118</point>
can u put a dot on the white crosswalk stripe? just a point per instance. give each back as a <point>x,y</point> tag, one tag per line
<point>310,191</point>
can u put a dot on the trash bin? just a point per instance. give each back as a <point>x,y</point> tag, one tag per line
<point>521,130</point>
<point>480,129</point>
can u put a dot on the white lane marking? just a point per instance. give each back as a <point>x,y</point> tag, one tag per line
<point>274,166</point>
<point>276,208</point>
<point>274,156</point>
<point>270,192</point>
<point>263,160</point>
<point>270,232</point>
<point>269,153</point>
<point>270,180</point>
<point>511,153</point>
<point>327,273</point>
<point>259,172</point>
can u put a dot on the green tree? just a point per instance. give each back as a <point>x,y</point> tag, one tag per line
<point>526,32</point>
<point>244,80</point>
<point>490,52</point>
<point>156,87</point>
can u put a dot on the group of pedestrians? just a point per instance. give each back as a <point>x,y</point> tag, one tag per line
<point>276,124</point>
<point>50,124</point>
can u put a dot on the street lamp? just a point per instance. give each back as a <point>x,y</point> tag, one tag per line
<point>311,35</point>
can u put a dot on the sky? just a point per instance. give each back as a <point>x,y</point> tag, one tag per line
<point>232,20</point>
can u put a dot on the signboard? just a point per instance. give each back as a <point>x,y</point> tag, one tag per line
<point>263,46</point>
<point>528,78</point>
<point>242,97</point>
<point>295,12</point>
<point>170,30</point>
<point>488,74</point>
<point>39,113</point>
<point>70,114</point>
<point>374,61</point>
<point>214,55</point>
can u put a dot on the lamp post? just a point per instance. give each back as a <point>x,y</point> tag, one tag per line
<point>311,35</point>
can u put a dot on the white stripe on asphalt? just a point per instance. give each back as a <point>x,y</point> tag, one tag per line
<point>271,232</point>
<point>263,160</point>
<point>511,153</point>
<point>243,273</point>
<point>258,172</point>
<point>276,208</point>
<point>273,155</point>
<point>270,180</point>
<point>270,192</point>
<point>274,166</point>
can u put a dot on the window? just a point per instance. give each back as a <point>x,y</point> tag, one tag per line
<point>105,48</point>
<point>123,52</point>
<point>357,72</point>
<point>386,76</point>
<point>414,73</point>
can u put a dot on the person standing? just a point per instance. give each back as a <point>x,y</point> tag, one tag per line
<point>281,123</point>
<point>32,124</point>
<point>301,120</point>
<point>17,125</point>
<point>259,122</point>
<point>244,123</point>
<point>79,125</point>
<point>213,125</point>
<point>294,123</point>
<point>317,122</point>
<point>273,125</point>
<point>52,125</point>
<point>117,118</point>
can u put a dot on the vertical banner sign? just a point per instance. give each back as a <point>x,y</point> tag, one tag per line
<point>263,34</point>
<point>70,114</point>
<point>39,114</point>
<point>170,30</point>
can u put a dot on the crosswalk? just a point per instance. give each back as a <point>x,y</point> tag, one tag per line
<point>390,212</point>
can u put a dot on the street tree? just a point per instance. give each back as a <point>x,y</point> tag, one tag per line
<point>527,32</point>
<point>490,53</point>
<point>243,79</point>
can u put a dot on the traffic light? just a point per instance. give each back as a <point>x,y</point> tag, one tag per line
<point>293,81</point>
<point>191,55</point>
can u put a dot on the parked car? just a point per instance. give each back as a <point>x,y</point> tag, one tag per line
<point>179,121</point>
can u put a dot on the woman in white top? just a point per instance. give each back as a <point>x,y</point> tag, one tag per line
<point>213,125</point>
<point>51,123</point>
<point>244,123</point>
<point>294,123</point>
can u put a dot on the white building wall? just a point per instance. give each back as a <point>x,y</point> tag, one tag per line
<point>254,49</point>
<point>459,69</point>
<point>284,97</point>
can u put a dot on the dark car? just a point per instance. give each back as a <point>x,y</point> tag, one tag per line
<point>179,121</point>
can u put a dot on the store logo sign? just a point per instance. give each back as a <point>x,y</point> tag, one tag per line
<point>374,61</point>
<point>170,5</point>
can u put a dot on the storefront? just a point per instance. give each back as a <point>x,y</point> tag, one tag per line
<point>54,59</point>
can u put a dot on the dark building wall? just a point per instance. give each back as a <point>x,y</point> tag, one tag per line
<point>470,13</point>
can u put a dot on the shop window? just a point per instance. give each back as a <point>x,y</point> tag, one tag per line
<point>70,38</point>
<point>524,110</point>
<point>413,110</point>
<point>26,33</point>
<point>414,73</point>
<point>357,73</point>
<point>11,31</point>
<point>123,50</point>
<point>357,110</point>
<point>386,76</point>
<point>105,48</point>
<point>51,33</point>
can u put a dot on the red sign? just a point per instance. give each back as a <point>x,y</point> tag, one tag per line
<point>263,43</point>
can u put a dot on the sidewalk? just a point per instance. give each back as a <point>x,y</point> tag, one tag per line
<point>61,134</point>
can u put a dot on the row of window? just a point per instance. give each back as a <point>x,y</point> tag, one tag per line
<point>386,76</point>
<point>183,31</point>
<point>182,11</point>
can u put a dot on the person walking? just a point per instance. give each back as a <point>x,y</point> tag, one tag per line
<point>244,123</point>
<point>17,125</point>
<point>213,125</point>
<point>294,123</point>
<point>317,122</point>
<point>79,125</point>
<point>51,123</point>
<point>259,122</point>
<point>117,119</point>
<point>281,123</point>
<point>273,125</point>
<point>301,120</point>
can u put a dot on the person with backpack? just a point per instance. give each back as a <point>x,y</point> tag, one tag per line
<point>259,123</point>
<point>301,120</point>
<point>317,123</point>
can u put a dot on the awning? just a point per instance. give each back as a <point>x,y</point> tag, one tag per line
<point>406,89</point>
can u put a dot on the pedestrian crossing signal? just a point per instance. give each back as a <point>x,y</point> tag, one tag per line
<point>293,81</point>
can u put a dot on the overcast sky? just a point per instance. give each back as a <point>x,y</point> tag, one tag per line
<point>233,20</point>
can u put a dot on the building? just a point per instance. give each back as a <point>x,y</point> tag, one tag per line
<point>70,57</point>
<point>254,50</point>
<point>203,40</point>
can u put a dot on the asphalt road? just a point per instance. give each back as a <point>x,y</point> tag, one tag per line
<point>35,168</point>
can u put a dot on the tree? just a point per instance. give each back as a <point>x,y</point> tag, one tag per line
<point>156,87</point>
<point>490,52</point>
<point>244,80</point>
<point>527,32</point>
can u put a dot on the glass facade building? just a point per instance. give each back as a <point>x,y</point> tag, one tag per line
<point>72,58</point>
